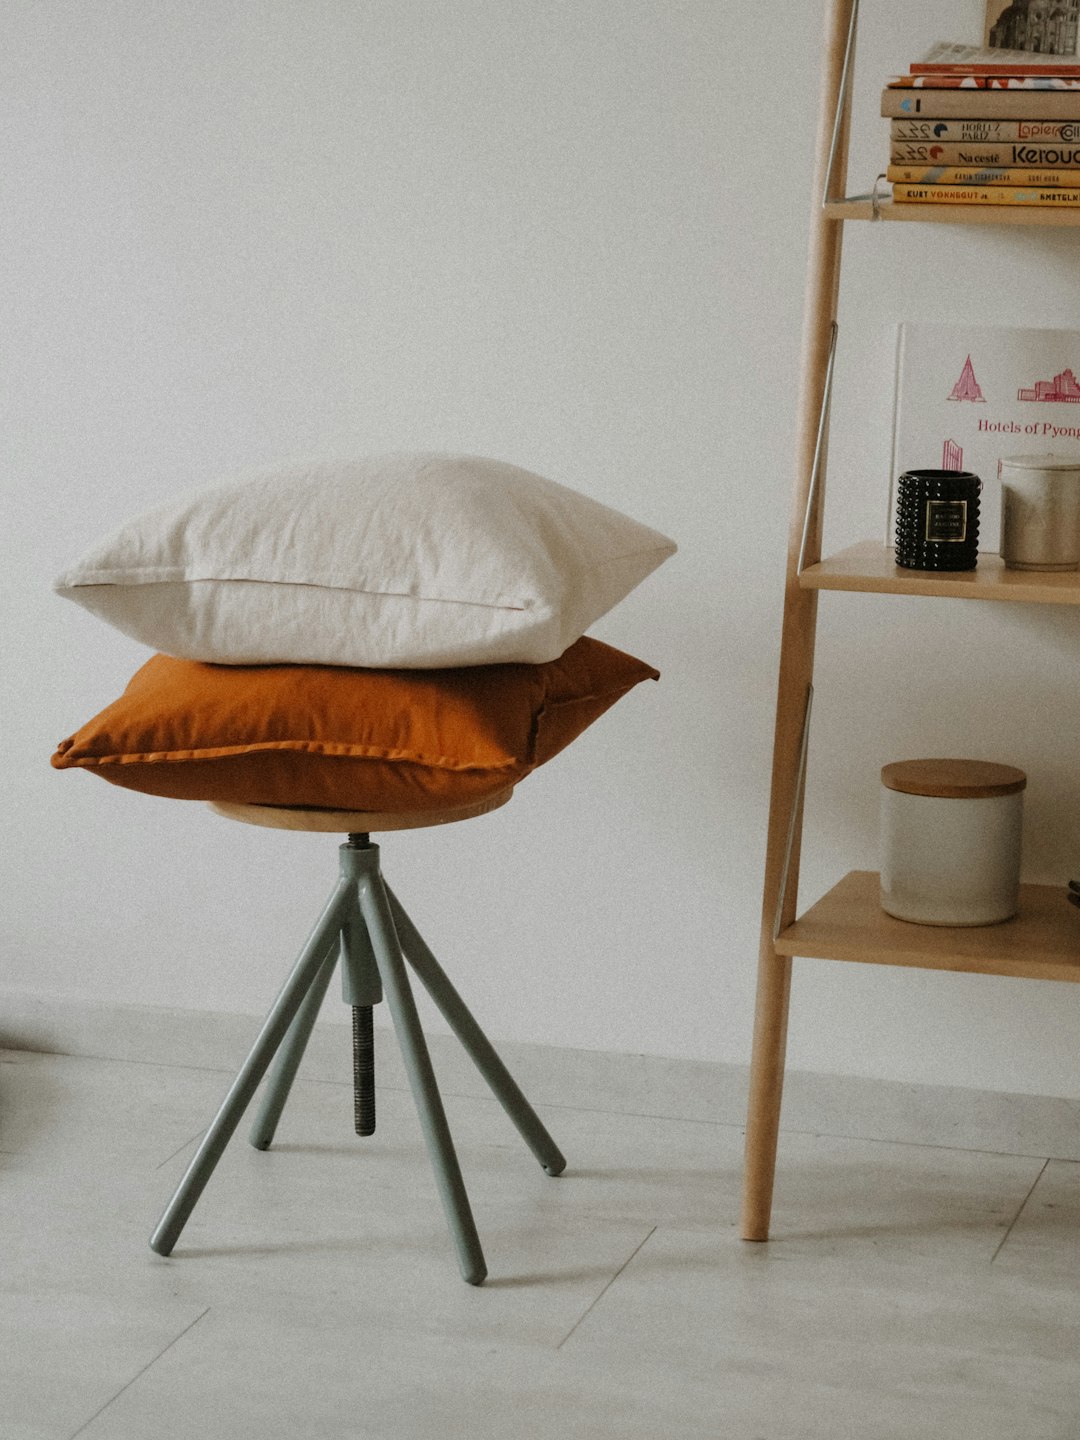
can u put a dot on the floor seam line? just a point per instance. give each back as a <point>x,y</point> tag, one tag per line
<point>914,1144</point>
<point>449,1093</point>
<point>1020,1211</point>
<point>225,1069</point>
<point>590,1308</point>
<point>113,1398</point>
<point>180,1149</point>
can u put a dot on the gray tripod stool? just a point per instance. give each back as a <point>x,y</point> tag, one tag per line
<point>365,928</point>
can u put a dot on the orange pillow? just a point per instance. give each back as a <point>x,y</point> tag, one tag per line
<point>343,738</point>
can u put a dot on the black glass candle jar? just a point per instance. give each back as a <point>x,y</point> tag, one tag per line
<point>937,520</point>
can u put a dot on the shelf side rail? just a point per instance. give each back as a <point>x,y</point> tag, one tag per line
<point>796,809</point>
<point>843,101</point>
<point>819,447</point>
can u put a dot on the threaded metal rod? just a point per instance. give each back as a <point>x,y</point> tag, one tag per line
<point>363,1046</point>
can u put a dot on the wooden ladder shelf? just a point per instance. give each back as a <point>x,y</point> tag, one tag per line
<point>848,923</point>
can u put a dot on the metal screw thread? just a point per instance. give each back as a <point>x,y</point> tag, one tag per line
<point>363,1038</point>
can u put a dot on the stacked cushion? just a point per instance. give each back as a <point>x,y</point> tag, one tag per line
<point>346,739</point>
<point>417,561</point>
<point>399,634</point>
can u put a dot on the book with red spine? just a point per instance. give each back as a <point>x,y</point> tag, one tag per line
<point>947,58</point>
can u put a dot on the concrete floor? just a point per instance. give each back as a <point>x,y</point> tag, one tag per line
<point>909,1291</point>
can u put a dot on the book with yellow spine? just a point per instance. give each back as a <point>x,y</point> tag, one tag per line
<point>974,175</point>
<point>985,195</point>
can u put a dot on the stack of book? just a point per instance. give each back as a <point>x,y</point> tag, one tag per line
<point>985,127</point>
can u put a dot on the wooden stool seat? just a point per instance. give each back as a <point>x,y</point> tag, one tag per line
<point>355,822</point>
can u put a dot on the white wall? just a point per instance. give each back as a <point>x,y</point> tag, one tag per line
<point>570,234</point>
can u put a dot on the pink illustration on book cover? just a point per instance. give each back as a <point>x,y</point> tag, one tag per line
<point>967,387</point>
<point>952,456</point>
<point>964,397</point>
<point>1061,390</point>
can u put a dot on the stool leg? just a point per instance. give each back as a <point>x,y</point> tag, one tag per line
<point>476,1044</point>
<point>380,925</point>
<point>290,1055</point>
<point>254,1067</point>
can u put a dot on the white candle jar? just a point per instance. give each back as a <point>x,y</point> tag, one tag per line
<point>1040,512</point>
<point>950,841</point>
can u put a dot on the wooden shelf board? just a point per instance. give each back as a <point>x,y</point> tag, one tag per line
<point>1041,942</point>
<point>871,566</point>
<point>1044,215</point>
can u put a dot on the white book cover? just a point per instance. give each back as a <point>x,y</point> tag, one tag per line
<point>968,396</point>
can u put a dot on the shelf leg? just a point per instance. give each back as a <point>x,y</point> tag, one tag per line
<point>799,629</point>
<point>766,1091</point>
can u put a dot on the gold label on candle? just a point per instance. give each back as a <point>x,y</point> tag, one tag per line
<point>946,521</point>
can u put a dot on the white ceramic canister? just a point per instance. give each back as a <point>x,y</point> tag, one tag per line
<point>1040,512</point>
<point>950,841</point>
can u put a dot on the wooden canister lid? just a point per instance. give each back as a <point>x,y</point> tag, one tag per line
<point>953,779</point>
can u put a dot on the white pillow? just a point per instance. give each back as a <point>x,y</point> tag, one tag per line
<point>410,561</point>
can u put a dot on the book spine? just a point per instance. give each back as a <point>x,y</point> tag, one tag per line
<point>981,104</point>
<point>973,175</point>
<point>949,57</point>
<point>985,132</point>
<point>1011,70</point>
<point>1049,83</point>
<point>1042,157</point>
<point>984,195</point>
